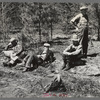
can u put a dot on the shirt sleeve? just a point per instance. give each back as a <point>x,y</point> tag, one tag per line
<point>18,49</point>
<point>76,18</point>
<point>44,55</point>
<point>67,49</point>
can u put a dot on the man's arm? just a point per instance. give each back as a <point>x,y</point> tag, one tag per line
<point>8,46</point>
<point>66,51</point>
<point>78,51</point>
<point>19,51</point>
<point>43,56</point>
<point>75,20</point>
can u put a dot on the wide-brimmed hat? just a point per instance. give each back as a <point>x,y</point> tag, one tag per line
<point>46,45</point>
<point>83,8</point>
<point>75,38</point>
<point>12,39</point>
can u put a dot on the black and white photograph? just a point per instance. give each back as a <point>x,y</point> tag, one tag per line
<point>49,49</point>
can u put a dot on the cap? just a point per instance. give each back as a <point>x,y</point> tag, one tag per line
<point>83,8</point>
<point>75,38</point>
<point>46,45</point>
<point>12,39</point>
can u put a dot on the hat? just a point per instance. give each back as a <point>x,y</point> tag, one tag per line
<point>13,39</point>
<point>75,38</point>
<point>46,45</point>
<point>83,8</point>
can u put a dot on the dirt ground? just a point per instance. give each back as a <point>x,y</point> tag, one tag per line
<point>80,81</point>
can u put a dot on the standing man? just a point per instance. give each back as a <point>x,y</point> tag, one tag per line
<point>80,22</point>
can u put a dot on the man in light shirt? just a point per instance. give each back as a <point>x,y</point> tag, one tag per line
<point>80,22</point>
<point>12,51</point>
<point>72,53</point>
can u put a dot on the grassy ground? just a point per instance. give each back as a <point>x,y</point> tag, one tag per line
<point>80,81</point>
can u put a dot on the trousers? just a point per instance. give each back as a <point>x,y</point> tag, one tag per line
<point>32,60</point>
<point>71,58</point>
<point>84,40</point>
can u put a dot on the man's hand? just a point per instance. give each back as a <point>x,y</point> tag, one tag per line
<point>67,53</point>
<point>14,54</point>
<point>77,29</point>
<point>38,56</point>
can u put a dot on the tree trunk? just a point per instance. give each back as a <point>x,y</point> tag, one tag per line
<point>98,16</point>
<point>51,30</point>
<point>39,32</point>
<point>98,34</point>
<point>3,22</point>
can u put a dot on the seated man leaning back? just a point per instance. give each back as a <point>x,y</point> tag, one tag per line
<point>12,51</point>
<point>72,53</point>
<point>32,60</point>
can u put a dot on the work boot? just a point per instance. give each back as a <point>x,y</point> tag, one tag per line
<point>64,65</point>
<point>85,56</point>
<point>22,64</point>
<point>68,66</point>
<point>25,70</point>
<point>5,64</point>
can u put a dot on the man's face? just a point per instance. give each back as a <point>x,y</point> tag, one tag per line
<point>14,43</point>
<point>84,11</point>
<point>75,43</point>
<point>46,48</point>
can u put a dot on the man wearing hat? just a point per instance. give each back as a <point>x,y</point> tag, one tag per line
<point>72,53</point>
<point>12,51</point>
<point>80,22</point>
<point>35,60</point>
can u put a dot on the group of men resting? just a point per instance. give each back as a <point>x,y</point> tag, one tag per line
<point>71,54</point>
<point>16,54</point>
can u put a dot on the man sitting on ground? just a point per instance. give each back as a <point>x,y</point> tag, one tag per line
<point>12,51</point>
<point>32,60</point>
<point>72,53</point>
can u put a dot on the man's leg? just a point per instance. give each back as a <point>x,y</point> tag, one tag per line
<point>12,58</point>
<point>66,62</point>
<point>76,59</point>
<point>23,55</point>
<point>25,59</point>
<point>32,60</point>
<point>85,48</point>
<point>71,60</point>
<point>85,42</point>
